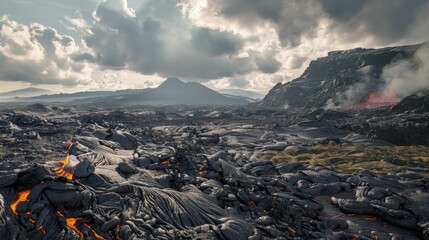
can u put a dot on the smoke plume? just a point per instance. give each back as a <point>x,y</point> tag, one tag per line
<point>408,76</point>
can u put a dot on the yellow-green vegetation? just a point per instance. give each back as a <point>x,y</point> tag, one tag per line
<point>349,158</point>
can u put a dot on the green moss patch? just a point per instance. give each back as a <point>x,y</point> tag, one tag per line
<point>349,158</point>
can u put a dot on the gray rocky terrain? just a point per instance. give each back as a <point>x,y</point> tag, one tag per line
<point>202,173</point>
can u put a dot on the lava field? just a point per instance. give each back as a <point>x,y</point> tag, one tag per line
<point>210,173</point>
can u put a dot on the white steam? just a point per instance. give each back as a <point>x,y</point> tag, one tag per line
<point>408,76</point>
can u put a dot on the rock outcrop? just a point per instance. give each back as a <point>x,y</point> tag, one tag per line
<point>339,79</point>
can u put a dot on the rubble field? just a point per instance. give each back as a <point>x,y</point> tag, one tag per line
<point>212,173</point>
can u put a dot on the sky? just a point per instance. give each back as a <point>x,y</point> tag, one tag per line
<point>69,46</point>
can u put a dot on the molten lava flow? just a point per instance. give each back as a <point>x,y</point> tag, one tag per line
<point>60,168</point>
<point>95,234</point>
<point>378,99</point>
<point>292,230</point>
<point>201,173</point>
<point>166,162</point>
<point>42,229</point>
<point>385,98</point>
<point>71,223</point>
<point>22,196</point>
<point>61,164</point>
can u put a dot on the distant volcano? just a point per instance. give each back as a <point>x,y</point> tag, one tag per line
<point>173,91</point>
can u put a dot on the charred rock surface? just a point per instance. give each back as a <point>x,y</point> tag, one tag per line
<point>327,80</point>
<point>194,174</point>
<point>417,103</point>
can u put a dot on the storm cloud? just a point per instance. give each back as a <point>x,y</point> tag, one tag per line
<point>384,22</point>
<point>149,41</point>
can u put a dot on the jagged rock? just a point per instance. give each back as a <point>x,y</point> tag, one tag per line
<point>146,174</point>
<point>83,169</point>
<point>127,168</point>
<point>32,176</point>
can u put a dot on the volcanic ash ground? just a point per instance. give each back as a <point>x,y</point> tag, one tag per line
<point>198,181</point>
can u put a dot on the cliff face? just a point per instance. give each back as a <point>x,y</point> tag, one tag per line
<point>417,102</point>
<point>342,78</point>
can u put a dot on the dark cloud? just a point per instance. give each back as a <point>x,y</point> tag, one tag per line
<point>342,10</point>
<point>215,43</point>
<point>268,63</point>
<point>292,19</point>
<point>384,21</point>
<point>240,82</point>
<point>297,61</point>
<point>150,41</point>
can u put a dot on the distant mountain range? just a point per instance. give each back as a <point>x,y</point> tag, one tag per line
<point>26,92</point>
<point>244,93</point>
<point>172,91</point>
<point>68,97</point>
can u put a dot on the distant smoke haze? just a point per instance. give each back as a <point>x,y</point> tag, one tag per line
<point>398,80</point>
<point>408,76</point>
<point>360,90</point>
<point>357,92</point>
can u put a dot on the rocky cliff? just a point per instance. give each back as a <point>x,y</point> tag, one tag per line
<point>342,78</point>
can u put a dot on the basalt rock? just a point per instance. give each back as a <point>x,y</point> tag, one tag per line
<point>158,174</point>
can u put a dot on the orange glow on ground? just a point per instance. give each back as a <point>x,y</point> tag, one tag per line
<point>22,196</point>
<point>60,165</point>
<point>71,223</point>
<point>377,99</point>
<point>60,171</point>
<point>95,234</point>
<point>42,229</point>
<point>166,162</point>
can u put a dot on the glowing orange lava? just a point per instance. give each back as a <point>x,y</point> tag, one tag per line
<point>95,234</point>
<point>292,230</point>
<point>378,99</point>
<point>22,196</point>
<point>166,162</point>
<point>71,223</point>
<point>42,229</point>
<point>61,164</point>
<point>60,168</point>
